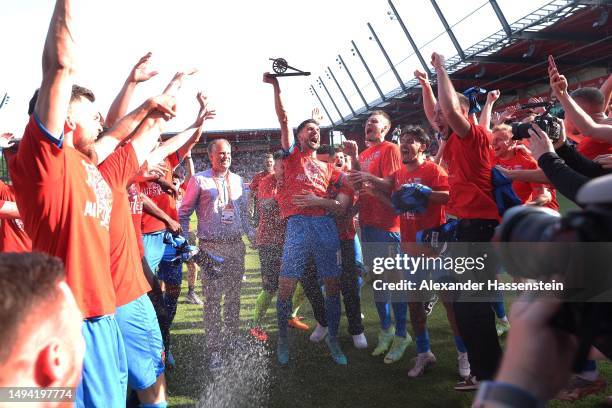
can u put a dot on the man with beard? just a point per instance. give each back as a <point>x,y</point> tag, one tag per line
<point>310,232</point>
<point>65,206</point>
<point>418,170</point>
<point>380,227</point>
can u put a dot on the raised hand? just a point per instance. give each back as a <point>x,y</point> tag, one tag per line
<point>317,115</point>
<point>437,60</point>
<point>539,110</point>
<point>140,72</point>
<point>164,104</point>
<point>206,112</point>
<point>421,77</point>
<point>558,82</point>
<point>493,96</point>
<point>350,148</point>
<point>177,81</point>
<point>269,79</point>
<point>508,113</point>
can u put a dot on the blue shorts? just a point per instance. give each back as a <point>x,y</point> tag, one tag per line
<point>376,243</point>
<point>104,379</point>
<point>154,249</point>
<point>143,342</point>
<point>171,272</point>
<point>315,237</point>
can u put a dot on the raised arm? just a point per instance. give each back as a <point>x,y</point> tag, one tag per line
<point>585,124</point>
<point>58,64</point>
<point>429,99</point>
<point>189,166</point>
<point>287,139</point>
<point>447,98</point>
<point>124,128</point>
<point>485,114</point>
<point>140,73</point>
<point>205,113</point>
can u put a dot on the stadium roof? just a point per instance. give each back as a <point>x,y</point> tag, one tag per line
<point>577,32</point>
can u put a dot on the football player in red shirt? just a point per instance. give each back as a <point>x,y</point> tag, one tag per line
<point>380,227</point>
<point>467,157</point>
<point>310,232</point>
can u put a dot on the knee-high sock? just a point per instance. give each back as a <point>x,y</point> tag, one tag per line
<point>332,313</point>
<point>422,342</point>
<point>283,310</point>
<point>298,299</point>
<point>261,305</point>
<point>400,313</point>
<point>384,314</point>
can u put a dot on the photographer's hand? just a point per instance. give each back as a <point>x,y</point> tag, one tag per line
<point>605,160</point>
<point>538,357</point>
<point>539,143</point>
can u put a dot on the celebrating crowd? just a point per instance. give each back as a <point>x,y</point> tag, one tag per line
<point>114,202</point>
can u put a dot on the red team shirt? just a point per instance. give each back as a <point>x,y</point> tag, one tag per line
<point>257,178</point>
<point>469,166</point>
<point>164,201</point>
<point>381,160</point>
<point>125,260</point>
<point>524,190</point>
<point>590,148</point>
<point>433,176</point>
<point>303,172</point>
<point>66,207</point>
<point>136,210</point>
<point>13,237</point>
<point>271,229</point>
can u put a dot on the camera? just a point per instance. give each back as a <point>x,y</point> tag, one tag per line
<point>538,243</point>
<point>184,251</point>
<point>547,122</point>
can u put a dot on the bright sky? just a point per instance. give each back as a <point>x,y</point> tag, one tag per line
<point>230,43</point>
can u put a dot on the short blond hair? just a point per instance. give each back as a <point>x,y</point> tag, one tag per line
<point>502,128</point>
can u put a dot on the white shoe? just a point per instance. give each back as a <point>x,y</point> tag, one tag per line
<point>421,362</point>
<point>360,341</point>
<point>318,334</point>
<point>464,365</point>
